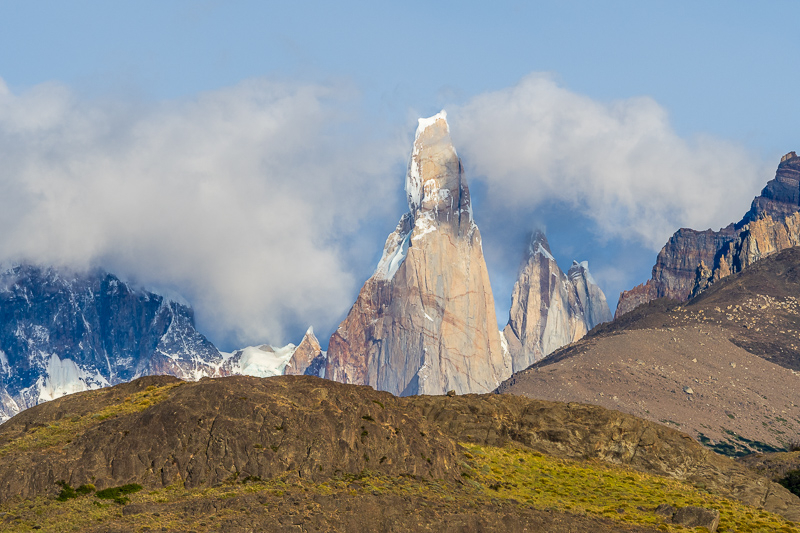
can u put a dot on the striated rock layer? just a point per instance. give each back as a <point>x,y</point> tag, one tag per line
<point>424,323</point>
<point>693,257</point>
<point>548,308</point>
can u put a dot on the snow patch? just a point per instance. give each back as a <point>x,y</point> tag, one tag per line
<point>424,225</point>
<point>4,366</point>
<point>543,251</point>
<point>393,257</point>
<point>66,377</point>
<point>169,295</point>
<point>424,123</point>
<point>261,361</point>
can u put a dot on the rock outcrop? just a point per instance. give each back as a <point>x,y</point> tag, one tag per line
<point>308,358</point>
<point>424,323</point>
<point>675,273</point>
<point>548,308</point>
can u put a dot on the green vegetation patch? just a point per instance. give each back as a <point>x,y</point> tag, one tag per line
<point>118,493</point>
<point>67,492</point>
<point>791,481</point>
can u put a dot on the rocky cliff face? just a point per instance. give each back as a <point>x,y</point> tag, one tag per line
<point>548,308</point>
<point>424,323</point>
<point>676,270</point>
<point>63,332</point>
<point>760,238</point>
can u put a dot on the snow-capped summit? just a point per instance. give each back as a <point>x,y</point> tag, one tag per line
<point>435,188</point>
<point>539,245</point>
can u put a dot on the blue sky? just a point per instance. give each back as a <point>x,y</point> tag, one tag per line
<point>277,135</point>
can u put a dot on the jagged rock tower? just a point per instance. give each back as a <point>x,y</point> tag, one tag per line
<point>308,358</point>
<point>550,309</point>
<point>424,323</point>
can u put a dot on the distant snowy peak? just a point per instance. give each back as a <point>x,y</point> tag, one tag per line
<point>260,361</point>
<point>64,331</point>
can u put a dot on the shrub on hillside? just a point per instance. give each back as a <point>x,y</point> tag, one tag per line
<point>792,481</point>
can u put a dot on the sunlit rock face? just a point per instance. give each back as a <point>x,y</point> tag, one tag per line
<point>308,358</point>
<point>675,274</point>
<point>550,309</point>
<point>758,239</point>
<point>424,323</point>
<point>63,332</point>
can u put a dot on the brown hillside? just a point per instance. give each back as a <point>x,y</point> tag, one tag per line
<point>169,435</point>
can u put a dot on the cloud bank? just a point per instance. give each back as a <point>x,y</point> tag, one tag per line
<point>620,164</point>
<point>242,199</point>
<point>266,204</point>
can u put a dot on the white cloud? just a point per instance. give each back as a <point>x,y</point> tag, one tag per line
<point>240,199</point>
<point>620,163</point>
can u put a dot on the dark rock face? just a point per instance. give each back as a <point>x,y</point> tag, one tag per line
<point>690,516</point>
<point>205,432</point>
<point>697,517</point>
<point>676,268</point>
<point>63,332</point>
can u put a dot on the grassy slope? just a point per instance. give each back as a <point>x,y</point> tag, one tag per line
<point>515,476</point>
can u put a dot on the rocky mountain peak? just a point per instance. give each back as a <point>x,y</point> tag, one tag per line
<point>579,269</point>
<point>425,323</point>
<point>308,358</point>
<point>781,196</point>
